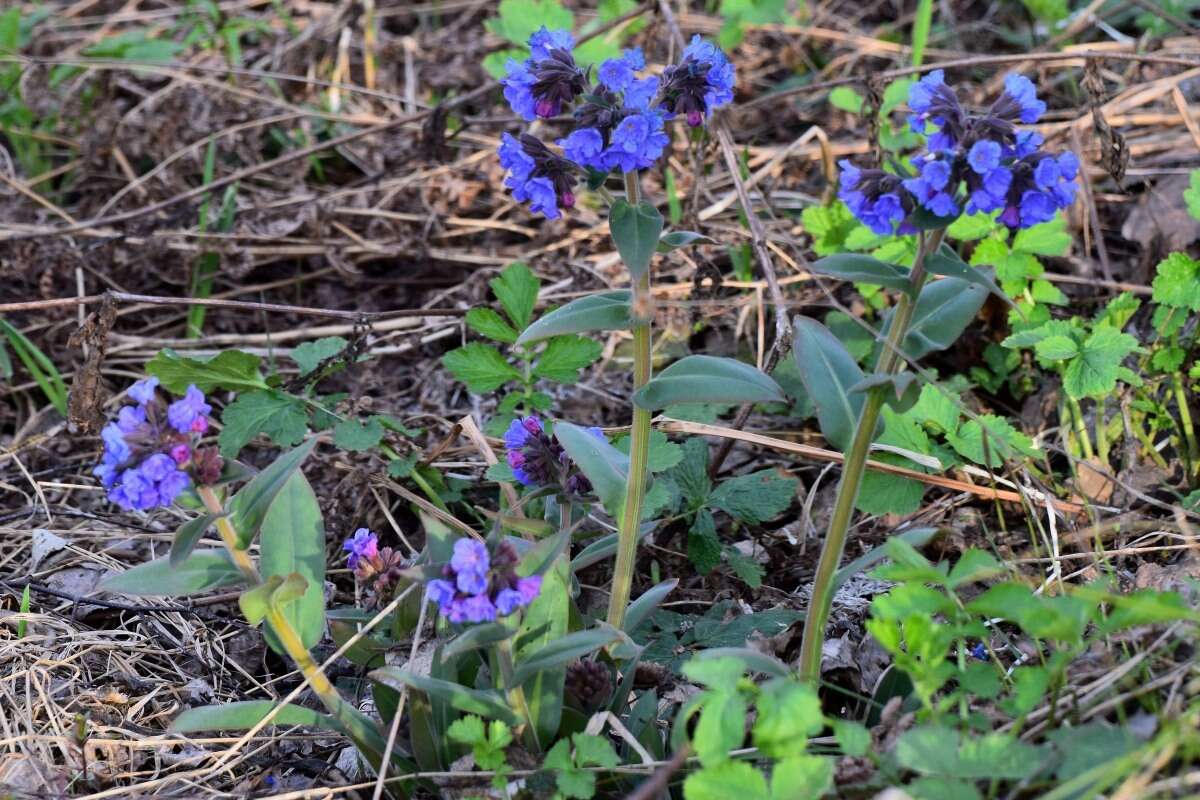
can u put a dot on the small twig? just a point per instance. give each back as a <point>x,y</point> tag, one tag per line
<point>248,305</point>
<point>662,776</point>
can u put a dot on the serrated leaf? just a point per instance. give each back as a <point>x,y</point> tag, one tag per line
<point>282,417</point>
<point>828,372</point>
<point>199,572</point>
<point>308,356</point>
<point>232,370</point>
<point>704,545</point>
<point>725,780</point>
<point>480,367</point>
<point>1003,441</point>
<point>635,230</point>
<point>606,311</point>
<point>516,287</point>
<point>756,497</point>
<point>564,356</point>
<point>1094,372</point>
<point>859,268</point>
<point>355,436</point>
<point>1056,348</point>
<point>488,323</point>
<point>1046,239</point>
<point>663,454</point>
<point>292,542</point>
<point>1177,282</point>
<point>708,379</point>
<point>846,99</point>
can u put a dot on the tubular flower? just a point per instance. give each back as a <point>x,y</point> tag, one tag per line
<point>478,587</point>
<point>150,454</point>
<point>980,162</point>
<point>701,81</point>
<point>378,569</point>
<point>537,175</point>
<point>537,459</point>
<point>546,81</point>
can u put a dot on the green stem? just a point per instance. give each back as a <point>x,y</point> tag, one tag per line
<point>229,536</point>
<point>1085,441</point>
<point>1102,448</point>
<point>1185,422</point>
<point>853,469</point>
<point>639,442</point>
<point>516,694</point>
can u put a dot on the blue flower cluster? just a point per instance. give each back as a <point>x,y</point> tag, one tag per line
<point>980,163</point>
<point>149,448</point>
<point>476,587</point>
<point>620,120</point>
<point>537,459</point>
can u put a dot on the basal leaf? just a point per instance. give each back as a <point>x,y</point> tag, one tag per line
<point>244,715</point>
<point>232,370</point>
<point>249,506</point>
<point>199,572</point>
<point>292,542</point>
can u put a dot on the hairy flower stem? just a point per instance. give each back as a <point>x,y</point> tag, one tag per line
<point>639,441</point>
<point>852,472</point>
<point>229,536</point>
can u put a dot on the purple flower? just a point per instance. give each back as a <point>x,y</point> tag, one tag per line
<point>518,89</point>
<point>189,414</point>
<point>508,601</point>
<point>921,93</point>
<point>537,175</point>
<point>363,544</point>
<point>470,555</point>
<point>1036,207</point>
<point>142,392</point>
<point>441,592</point>
<point>529,588</point>
<point>544,42</point>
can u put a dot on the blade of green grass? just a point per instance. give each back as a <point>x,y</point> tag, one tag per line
<point>44,373</point>
<point>920,30</point>
<point>206,265</point>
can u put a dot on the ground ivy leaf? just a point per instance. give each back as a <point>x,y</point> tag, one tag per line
<point>594,751</point>
<point>355,436</point>
<point>232,369</point>
<point>691,473</point>
<point>756,497</point>
<point>308,356</point>
<point>564,356</point>
<point>480,367</point>
<point>748,571</point>
<point>517,290</point>
<point>1093,373</point>
<point>1177,283</point>
<point>1047,239</point>
<point>1003,440</point>
<point>725,780</point>
<point>664,454</point>
<point>487,322</point>
<point>704,546</point>
<point>280,416</point>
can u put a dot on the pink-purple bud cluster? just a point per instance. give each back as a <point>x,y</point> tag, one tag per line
<point>150,453</point>
<point>479,587</point>
<point>377,569</point>
<point>537,459</point>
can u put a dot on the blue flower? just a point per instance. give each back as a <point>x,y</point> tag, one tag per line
<point>142,392</point>
<point>1036,207</point>
<point>157,481</point>
<point>518,89</point>
<point>637,142</point>
<point>508,601</point>
<point>441,592</point>
<point>540,194</point>
<point>921,93</point>
<point>537,175</point>
<point>617,74</point>
<point>362,545</point>
<point>584,146</point>
<point>929,187</point>
<point>1022,92</point>
<point>543,42</point>
<point>641,92</point>
<point>702,81</point>
<point>984,156</point>
<point>189,414</point>
<point>882,201</point>
<point>470,555</point>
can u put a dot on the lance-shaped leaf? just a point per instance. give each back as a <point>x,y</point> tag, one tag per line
<point>199,572</point>
<point>673,240</point>
<point>485,703</point>
<point>248,713</point>
<point>476,637</point>
<point>606,311</point>
<point>635,230</point>
<point>249,507</point>
<point>944,310</point>
<point>946,262</point>
<point>186,537</point>
<point>829,372</point>
<point>561,651</point>
<point>755,660</point>
<point>648,601</point>
<point>293,548</point>
<point>917,537</point>
<point>708,379</point>
<point>604,465</point>
<point>604,547</point>
<point>861,268</point>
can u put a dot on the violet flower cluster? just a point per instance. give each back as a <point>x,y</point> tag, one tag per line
<point>978,162</point>
<point>479,587</point>
<point>378,569</point>
<point>537,459</point>
<point>150,450</point>
<point>620,119</point>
